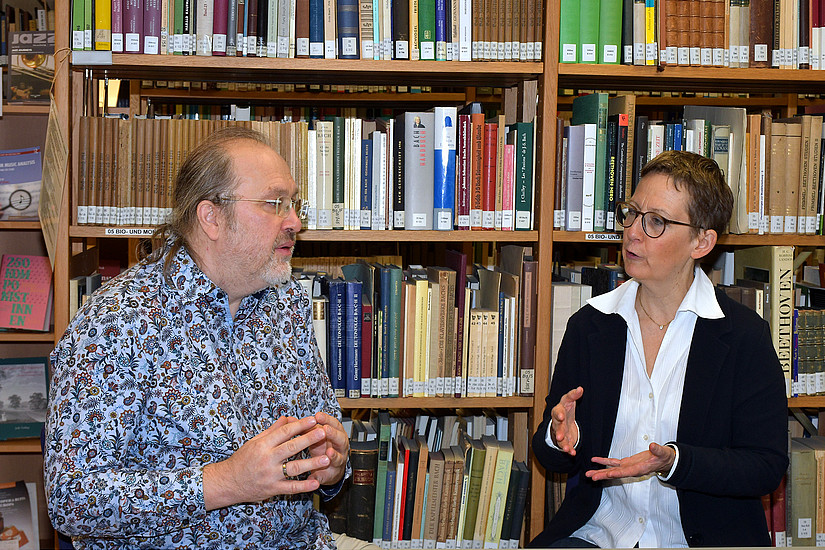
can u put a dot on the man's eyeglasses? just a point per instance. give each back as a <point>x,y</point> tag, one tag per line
<point>653,224</point>
<point>281,206</point>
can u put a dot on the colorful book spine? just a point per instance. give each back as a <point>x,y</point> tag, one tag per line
<point>133,26</point>
<point>352,334</point>
<point>488,197</point>
<point>366,184</point>
<point>336,339</point>
<point>220,22</point>
<point>316,29</point>
<point>463,171</point>
<point>444,159</point>
<point>426,29</point>
<point>103,25</point>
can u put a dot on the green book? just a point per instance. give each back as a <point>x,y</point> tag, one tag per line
<point>88,25</point>
<point>569,43</point>
<point>426,28</point>
<point>381,474</point>
<point>522,136</point>
<point>610,31</point>
<point>78,23</point>
<point>177,36</point>
<point>589,31</point>
<point>592,109</point>
<point>476,454</point>
<point>395,279</point>
<point>338,170</point>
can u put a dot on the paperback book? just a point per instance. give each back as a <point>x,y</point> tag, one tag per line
<point>31,66</point>
<point>23,396</point>
<point>20,178</point>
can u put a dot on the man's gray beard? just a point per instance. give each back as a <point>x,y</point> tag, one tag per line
<point>278,273</point>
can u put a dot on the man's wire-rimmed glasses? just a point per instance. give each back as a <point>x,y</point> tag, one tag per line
<point>653,224</point>
<point>281,206</point>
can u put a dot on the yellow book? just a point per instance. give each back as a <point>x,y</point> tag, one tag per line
<point>103,25</point>
<point>651,48</point>
<point>422,301</point>
<point>498,494</point>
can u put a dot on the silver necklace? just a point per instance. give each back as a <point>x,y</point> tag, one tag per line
<point>661,327</point>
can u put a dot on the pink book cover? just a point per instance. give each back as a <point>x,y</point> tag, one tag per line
<point>26,296</point>
<point>133,26</point>
<point>117,26</point>
<point>507,188</point>
<point>219,27</point>
<point>151,26</point>
<point>464,169</point>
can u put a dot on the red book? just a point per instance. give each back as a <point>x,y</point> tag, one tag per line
<point>220,21</point>
<point>477,168</point>
<point>26,296</point>
<point>778,514</point>
<point>406,452</point>
<point>488,176</point>
<point>366,349</point>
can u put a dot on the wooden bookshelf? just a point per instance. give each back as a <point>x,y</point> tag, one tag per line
<point>26,336</point>
<point>25,445</point>
<point>20,226</point>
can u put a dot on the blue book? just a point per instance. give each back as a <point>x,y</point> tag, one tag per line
<point>444,155</point>
<point>348,13</point>
<point>441,30</point>
<point>335,336</point>
<point>366,184</point>
<point>677,137</point>
<point>352,337</point>
<point>316,29</point>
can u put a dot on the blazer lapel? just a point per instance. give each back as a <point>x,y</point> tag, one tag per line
<point>708,355</point>
<point>607,351</point>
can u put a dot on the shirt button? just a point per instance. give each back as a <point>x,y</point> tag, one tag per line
<point>641,520</point>
<point>645,438</point>
<point>650,395</point>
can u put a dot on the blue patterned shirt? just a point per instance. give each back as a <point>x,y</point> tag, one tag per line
<point>152,380</point>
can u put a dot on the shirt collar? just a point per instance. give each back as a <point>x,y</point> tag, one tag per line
<point>700,298</point>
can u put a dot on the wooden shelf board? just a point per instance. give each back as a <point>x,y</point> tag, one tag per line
<point>249,69</point>
<point>23,445</point>
<point>727,239</point>
<point>22,226</point>
<point>302,97</point>
<point>437,403</point>
<point>814,401</point>
<point>25,109</point>
<point>14,336</point>
<point>338,235</point>
<point>629,77</point>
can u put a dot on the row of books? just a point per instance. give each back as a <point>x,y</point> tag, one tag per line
<point>279,87</point>
<point>773,166</point>
<point>490,30</point>
<point>421,170</point>
<point>433,482</point>
<point>718,33</point>
<point>428,332</point>
<point>796,509</point>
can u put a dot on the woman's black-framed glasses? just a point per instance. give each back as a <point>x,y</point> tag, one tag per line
<point>653,224</point>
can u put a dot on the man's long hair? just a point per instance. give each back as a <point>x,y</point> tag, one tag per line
<point>206,174</point>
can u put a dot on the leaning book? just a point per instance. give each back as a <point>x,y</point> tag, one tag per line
<point>31,66</point>
<point>21,173</point>
<point>18,516</point>
<point>25,292</point>
<point>23,396</point>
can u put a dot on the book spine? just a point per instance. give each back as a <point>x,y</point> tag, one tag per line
<point>361,498</point>
<point>401,29</point>
<point>444,158</point>
<point>203,22</point>
<point>103,25</point>
<point>353,326</point>
<point>336,340</point>
<point>316,29</point>
<point>367,31</point>
<point>133,26</point>
<point>418,173</point>
<point>463,165</point>
<point>489,176</point>
<point>347,18</point>
<point>220,23</point>
<point>426,28</point>
<point>524,176</point>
